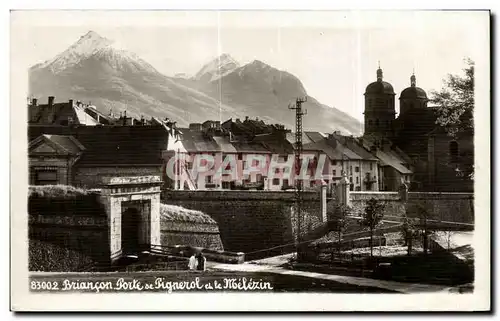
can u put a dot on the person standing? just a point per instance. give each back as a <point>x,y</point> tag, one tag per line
<point>201,262</point>
<point>193,262</point>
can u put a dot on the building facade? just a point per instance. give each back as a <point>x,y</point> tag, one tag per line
<point>412,148</point>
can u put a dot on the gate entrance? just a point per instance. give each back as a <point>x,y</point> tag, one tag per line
<point>135,226</point>
<point>133,207</point>
<point>130,230</point>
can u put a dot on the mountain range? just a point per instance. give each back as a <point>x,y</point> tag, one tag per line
<point>95,69</point>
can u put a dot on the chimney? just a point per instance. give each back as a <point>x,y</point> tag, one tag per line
<point>51,100</point>
<point>71,102</point>
<point>246,118</point>
<point>33,102</point>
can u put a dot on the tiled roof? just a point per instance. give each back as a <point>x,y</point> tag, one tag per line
<point>63,145</point>
<point>224,144</point>
<point>55,114</point>
<point>250,147</point>
<point>355,146</point>
<point>388,156</point>
<point>113,145</point>
<point>83,118</point>
<point>275,142</point>
<point>60,113</point>
<point>68,143</point>
<point>315,141</point>
<point>196,141</point>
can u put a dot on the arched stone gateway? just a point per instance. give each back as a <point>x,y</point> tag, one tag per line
<point>133,208</point>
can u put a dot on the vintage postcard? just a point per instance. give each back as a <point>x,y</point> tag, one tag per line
<point>250,160</point>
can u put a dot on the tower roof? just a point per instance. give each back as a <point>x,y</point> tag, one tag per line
<point>380,86</point>
<point>413,92</point>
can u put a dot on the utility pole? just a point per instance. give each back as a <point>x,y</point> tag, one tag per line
<point>298,153</point>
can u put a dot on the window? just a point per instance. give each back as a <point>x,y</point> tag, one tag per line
<point>453,150</point>
<point>371,166</point>
<point>285,158</point>
<point>46,177</point>
<point>334,172</point>
<point>311,184</point>
<point>350,179</point>
<point>356,169</point>
<point>276,181</point>
<point>350,170</point>
<point>277,171</point>
<point>240,156</point>
<point>357,180</point>
<point>334,162</point>
<point>258,178</point>
<point>285,183</point>
<point>208,179</point>
<point>226,185</point>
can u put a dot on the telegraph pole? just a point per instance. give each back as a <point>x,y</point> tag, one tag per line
<point>298,152</point>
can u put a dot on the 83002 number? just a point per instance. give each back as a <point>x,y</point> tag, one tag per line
<point>44,285</point>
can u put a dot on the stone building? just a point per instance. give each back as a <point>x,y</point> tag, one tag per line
<point>450,161</point>
<point>66,113</point>
<point>379,106</point>
<point>51,159</point>
<point>412,142</point>
<point>76,112</point>
<point>83,155</point>
<point>270,148</point>
<point>234,144</point>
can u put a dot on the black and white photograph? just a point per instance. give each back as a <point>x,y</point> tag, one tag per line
<point>306,155</point>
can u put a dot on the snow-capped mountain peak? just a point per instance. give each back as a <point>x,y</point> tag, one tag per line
<point>217,68</point>
<point>93,45</point>
<point>86,46</point>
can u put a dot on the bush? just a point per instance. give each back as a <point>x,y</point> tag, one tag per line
<point>48,257</point>
<point>181,214</point>
<point>63,200</point>
<point>56,191</point>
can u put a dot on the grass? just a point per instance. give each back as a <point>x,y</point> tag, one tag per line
<point>180,214</point>
<point>386,251</point>
<point>56,191</point>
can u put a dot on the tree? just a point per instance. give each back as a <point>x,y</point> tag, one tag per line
<point>422,213</point>
<point>408,232</point>
<point>341,213</point>
<point>455,101</point>
<point>372,216</point>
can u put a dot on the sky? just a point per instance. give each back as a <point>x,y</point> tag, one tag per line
<point>334,53</point>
